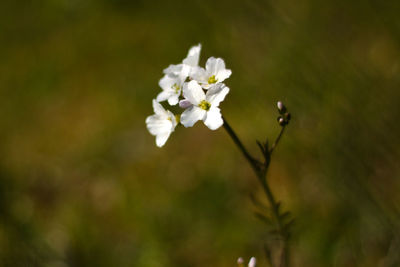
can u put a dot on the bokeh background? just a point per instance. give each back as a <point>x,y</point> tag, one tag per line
<point>83,184</point>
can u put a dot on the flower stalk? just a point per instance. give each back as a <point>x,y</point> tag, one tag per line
<point>260,168</point>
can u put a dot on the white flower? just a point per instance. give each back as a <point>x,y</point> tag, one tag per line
<point>175,76</point>
<point>161,124</point>
<point>172,88</point>
<point>191,61</point>
<point>203,106</point>
<point>189,81</point>
<point>252,262</point>
<point>215,72</point>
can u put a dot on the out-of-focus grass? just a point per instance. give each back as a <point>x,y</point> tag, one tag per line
<point>83,184</point>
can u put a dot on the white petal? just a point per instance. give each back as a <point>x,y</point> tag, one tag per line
<point>174,99</point>
<point>214,65</point>
<point>168,81</point>
<point>207,86</point>
<point>162,138</point>
<point>186,69</point>
<point>222,75</point>
<point>199,74</point>
<point>158,125</point>
<point>193,92</point>
<point>210,65</point>
<point>172,117</point>
<point>216,94</point>
<point>173,69</point>
<point>158,108</point>
<point>161,126</point>
<point>164,95</point>
<point>193,56</point>
<point>252,262</point>
<point>219,65</point>
<point>191,115</point>
<point>213,119</point>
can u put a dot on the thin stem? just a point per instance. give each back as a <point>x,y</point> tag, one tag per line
<point>275,212</point>
<point>284,261</point>
<point>277,139</point>
<point>285,253</point>
<point>261,173</point>
<point>272,201</point>
<point>253,162</point>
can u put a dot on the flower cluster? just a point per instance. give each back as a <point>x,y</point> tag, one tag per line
<point>197,90</point>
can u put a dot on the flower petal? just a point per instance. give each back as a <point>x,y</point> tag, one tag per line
<point>193,56</point>
<point>214,65</point>
<point>168,81</point>
<point>174,99</point>
<point>162,138</point>
<point>213,119</point>
<point>164,95</point>
<point>158,125</point>
<point>216,94</point>
<point>199,74</point>
<point>193,92</point>
<point>173,69</point>
<point>222,75</point>
<point>210,65</point>
<point>158,108</point>
<point>172,117</point>
<point>191,115</point>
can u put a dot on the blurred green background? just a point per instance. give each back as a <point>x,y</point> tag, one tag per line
<point>83,184</point>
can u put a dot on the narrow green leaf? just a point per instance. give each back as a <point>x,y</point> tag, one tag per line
<point>263,218</point>
<point>285,215</point>
<point>258,203</point>
<point>261,147</point>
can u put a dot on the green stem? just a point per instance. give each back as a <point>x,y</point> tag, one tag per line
<point>252,161</point>
<point>275,211</point>
<point>261,173</point>
<point>277,139</point>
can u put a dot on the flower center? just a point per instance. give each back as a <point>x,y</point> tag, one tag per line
<point>212,79</point>
<point>176,88</point>
<point>205,105</point>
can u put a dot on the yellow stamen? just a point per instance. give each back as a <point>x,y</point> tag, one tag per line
<point>205,105</point>
<point>212,79</point>
<point>176,88</point>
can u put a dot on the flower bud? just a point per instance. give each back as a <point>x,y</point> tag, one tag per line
<point>184,103</point>
<point>281,121</point>
<point>281,107</point>
<point>287,116</point>
<point>240,262</point>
